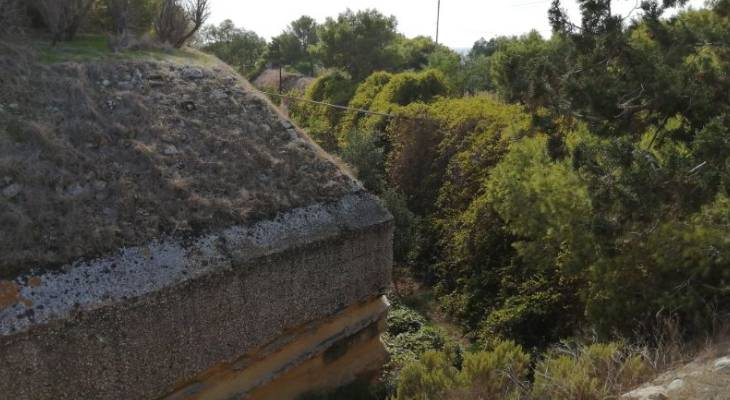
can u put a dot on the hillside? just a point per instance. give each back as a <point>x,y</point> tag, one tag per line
<point>705,378</point>
<point>107,153</point>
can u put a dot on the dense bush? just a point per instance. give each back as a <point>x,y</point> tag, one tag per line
<point>321,121</point>
<point>400,90</point>
<point>457,138</point>
<point>363,151</point>
<point>406,238</point>
<point>490,375</point>
<point>535,226</point>
<point>363,98</point>
<point>529,69</point>
<point>408,338</point>
<point>593,372</point>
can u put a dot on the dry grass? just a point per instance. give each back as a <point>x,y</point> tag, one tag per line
<point>110,154</point>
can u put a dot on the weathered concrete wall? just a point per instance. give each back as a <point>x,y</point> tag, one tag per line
<point>149,320</point>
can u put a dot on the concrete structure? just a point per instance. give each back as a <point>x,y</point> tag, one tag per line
<point>268,309</point>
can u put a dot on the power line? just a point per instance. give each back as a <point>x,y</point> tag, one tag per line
<point>335,106</point>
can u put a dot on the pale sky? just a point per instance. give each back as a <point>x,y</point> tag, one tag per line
<point>462,21</point>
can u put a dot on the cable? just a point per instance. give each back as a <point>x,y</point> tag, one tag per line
<point>343,108</point>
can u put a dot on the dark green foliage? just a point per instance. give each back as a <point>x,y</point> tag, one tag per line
<point>529,69</point>
<point>413,54</point>
<point>293,46</point>
<point>236,46</point>
<point>485,48</point>
<point>408,338</point>
<point>364,152</point>
<point>600,203</point>
<point>357,42</point>
<point>406,237</point>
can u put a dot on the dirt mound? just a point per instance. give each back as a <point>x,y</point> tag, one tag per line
<point>98,156</point>
<point>269,79</point>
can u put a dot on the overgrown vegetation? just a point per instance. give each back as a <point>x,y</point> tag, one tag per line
<point>563,197</point>
<point>587,191</point>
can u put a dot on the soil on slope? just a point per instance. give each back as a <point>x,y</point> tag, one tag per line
<point>101,155</point>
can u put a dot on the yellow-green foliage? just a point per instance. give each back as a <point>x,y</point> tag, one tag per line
<point>495,374</point>
<point>426,379</point>
<point>400,90</point>
<point>382,92</point>
<point>320,120</point>
<point>480,130</point>
<point>544,201</point>
<point>595,372</point>
<point>363,98</point>
<point>489,375</point>
<point>460,139</point>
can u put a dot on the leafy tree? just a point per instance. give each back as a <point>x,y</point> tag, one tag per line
<point>358,43</point>
<point>485,48</point>
<point>236,46</point>
<point>529,70</point>
<point>291,47</point>
<point>413,54</point>
<point>305,31</point>
<point>450,64</point>
<point>406,237</point>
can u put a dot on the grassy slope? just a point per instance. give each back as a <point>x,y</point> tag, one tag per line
<point>88,48</point>
<point>98,152</point>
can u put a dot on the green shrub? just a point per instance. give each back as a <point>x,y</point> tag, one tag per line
<point>364,152</point>
<point>406,238</point>
<point>401,90</point>
<point>319,120</point>
<point>595,372</point>
<point>489,375</point>
<point>496,374</point>
<point>363,98</point>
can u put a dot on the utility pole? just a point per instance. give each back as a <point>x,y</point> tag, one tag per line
<point>438,21</point>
